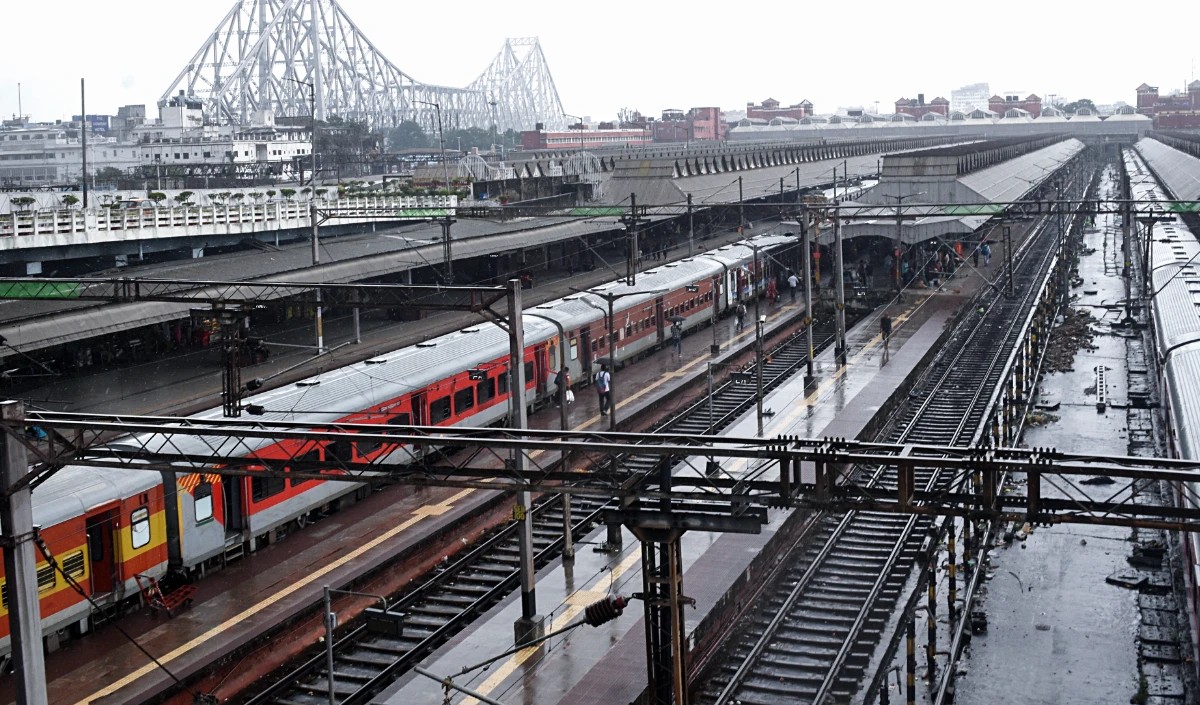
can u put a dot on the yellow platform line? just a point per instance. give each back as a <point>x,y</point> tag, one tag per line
<point>417,515</point>
<point>576,603</point>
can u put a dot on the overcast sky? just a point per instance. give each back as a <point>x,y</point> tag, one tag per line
<point>647,56</point>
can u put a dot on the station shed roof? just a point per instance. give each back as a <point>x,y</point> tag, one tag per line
<point>35,325</point>
<point>1179,171</point>
<point>1008,181</point>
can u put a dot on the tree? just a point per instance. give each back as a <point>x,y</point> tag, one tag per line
<point>468,139</point>
<point>287,193</point>
<point>22,203</point>
<point>110,175</point>
<point>270,194</point>
<point>1072,107</point>
<point>238,197</point>
<point>407,135</point>
<point>70,200</point>
<point>158,197</point>
<point>256,195</point>
<point>183,197</point>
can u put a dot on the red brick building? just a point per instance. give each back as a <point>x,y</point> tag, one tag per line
<point>584,139</point>
<point>918,108</point>
<point>1031,104</point>
<point>1172,112</point>
<point>770,109</point>
<point>698,124</point>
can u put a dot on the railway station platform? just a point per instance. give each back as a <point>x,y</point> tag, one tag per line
<point>607,664</point>
<point>282,582</point>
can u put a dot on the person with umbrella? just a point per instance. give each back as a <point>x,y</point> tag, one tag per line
<point>677,335</point>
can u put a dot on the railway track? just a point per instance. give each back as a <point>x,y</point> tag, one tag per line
<point>367,658</point>
<point>815,632</point>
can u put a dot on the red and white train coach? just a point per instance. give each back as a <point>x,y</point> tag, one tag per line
<point>106,526</point>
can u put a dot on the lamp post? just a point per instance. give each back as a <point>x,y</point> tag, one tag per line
<point>741,209</point>
<point>580,123</point>
<point>495,127</point>
<point>330,624</point>
<point>900,234</point>
<point>313,218</point>
<point>441,140</point>
<point>568,553</point>
<point>611,298</point>
<point>83,130</point>
<point>758,367</point>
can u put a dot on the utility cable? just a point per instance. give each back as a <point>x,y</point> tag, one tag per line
<point>197,697</point>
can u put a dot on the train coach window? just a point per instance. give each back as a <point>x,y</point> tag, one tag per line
<point>47,578</point>
<point>528,372</point>
<point>73,564</point>
<point>464,400</point>
<point>263,487</point>
<point>204,502</point>
<point>337,450</point>
<point>574,349</point>
<point>139,527</point>
<point>486,390</point>
<point>439,409</point>
<point>400,420</point>
<point>502,383</point>
<point>366,448</point>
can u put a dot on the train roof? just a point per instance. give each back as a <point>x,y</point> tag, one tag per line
<point>1175,273</point>
<point>73,491</point>
<point>1181,373</point>
<point>330,396</point>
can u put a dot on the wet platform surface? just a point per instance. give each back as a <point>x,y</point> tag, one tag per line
<point>1057,633</point>
<point>607,664</point>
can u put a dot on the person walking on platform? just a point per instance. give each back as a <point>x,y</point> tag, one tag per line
<point>885,330</point>
<point>740,314</point>
<point>562,381</point>
<point>604,389</point>
<point>793,282</point>
<point>677,339</point>
<point>986,250</point>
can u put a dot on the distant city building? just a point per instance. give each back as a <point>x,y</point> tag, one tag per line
<point>969,97</point>
<point>51,154</point>
<point>584,139</point>
<point>770,109</point>
<point>1178,111</point>
<point>697,124</point>
<point>127,118</point>
<point>1000,105</point>
<point>918,108</point>
<point>97,124</point>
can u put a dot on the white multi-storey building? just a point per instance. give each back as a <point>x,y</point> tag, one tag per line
<point>33,155</point>
<point>970,97</point>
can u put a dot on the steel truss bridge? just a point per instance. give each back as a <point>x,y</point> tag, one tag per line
<point>307,57</point>
<point>777,472</point>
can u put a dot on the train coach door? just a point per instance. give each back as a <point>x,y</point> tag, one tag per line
<point>585,344</point>
<point>102,528</point>
<point>231,504</point>
<point>541,368</point>
<point>660,319</point>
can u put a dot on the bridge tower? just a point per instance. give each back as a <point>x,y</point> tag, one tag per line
<point>279,55</point>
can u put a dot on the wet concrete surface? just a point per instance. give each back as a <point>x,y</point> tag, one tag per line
<point>1057,632</point>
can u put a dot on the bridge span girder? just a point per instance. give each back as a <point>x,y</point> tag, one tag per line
<point>300,57</point>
